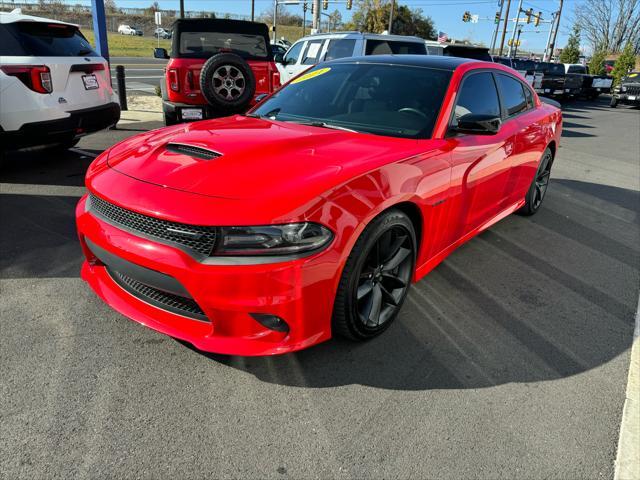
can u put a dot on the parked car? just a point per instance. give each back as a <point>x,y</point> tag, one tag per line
<point>129,30</point>
<point>458,50</point>
<point>628,92</point>
<point>272,231</point>
<point>525,67</point>
<point>592,85</point>
<point>217,67</point>
<point>556,82</point>
<point>314,49</point>
<point>162,33</point>
<point>54,88</point>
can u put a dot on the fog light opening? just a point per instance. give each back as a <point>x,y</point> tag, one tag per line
<point>272,322</point>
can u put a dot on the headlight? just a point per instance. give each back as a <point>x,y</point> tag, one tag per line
<point>623,88</point>
<point>292,238</point>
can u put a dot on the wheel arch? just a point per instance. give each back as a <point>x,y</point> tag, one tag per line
<point>411,210</point>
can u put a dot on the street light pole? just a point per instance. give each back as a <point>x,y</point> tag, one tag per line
<point>504,30</point>
<point>316,16</point>
<point>495,32</point>
<point>555,32</point>
<point>181,8</point>
<point>275,19</point>
<point>515,26</point>
<point>253,9</point>
<point>551,26</point>
<point>391,16</point>
<point>515,53</point>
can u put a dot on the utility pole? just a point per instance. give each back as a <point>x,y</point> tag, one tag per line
<point>517,42</point>
<point>391,16</point>
<point>181,8</point>
<point>546,47</point>
<point>316,16</point>
<point>495,32</point>
<point>253,9</point>
<point>504,31</point>
<point>555,32</point>
<point>515,26</point>
<point>275,19</point>
<point>304,17</point>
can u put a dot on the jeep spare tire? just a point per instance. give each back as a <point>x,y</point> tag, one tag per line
<point>227,82</point>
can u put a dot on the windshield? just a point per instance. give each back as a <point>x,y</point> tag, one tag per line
<point>550,68</point>
<point>391,100</point>
<point>44,40</point>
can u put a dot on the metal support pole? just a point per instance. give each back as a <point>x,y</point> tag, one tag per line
<point>275,19</point>
<point>515,26</point>
<point>316,16</point>
<point>100,28</point>
<point>181,8</point>
<point>122,88</point>
<point>504,30</point>
<point>555,32</point>
<point>546,47</point>
<point>495,32</point>
<point>391,17</point>
<point>253,10</point>
<point>304,18</point>
<point>517,41</point>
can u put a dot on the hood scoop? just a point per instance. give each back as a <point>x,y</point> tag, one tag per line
<point>192,151</point>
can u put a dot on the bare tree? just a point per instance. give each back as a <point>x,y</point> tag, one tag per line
<point>610,24</point>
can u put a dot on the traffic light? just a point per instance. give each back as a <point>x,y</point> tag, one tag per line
<point>466,17</point>
<point>312,4</point>
<point>538,18</point>
<point>304,7</point>
<point>528,13</point>
<point>349,4</point>
<point>325,4</point>
<point>497,20</point>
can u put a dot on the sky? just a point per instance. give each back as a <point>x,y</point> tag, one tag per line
<point>447,15</point>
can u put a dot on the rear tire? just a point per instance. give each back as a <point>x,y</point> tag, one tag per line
<point>376,277</point>
<point>538,188</point>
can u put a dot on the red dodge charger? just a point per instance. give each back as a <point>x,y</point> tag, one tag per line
<point>312,214</point>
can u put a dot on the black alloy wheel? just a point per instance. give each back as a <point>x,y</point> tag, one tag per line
<point>376,278</point>
<point>539,186</point>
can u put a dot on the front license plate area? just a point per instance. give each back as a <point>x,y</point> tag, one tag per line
<point>90,82</point>
<point>191,114</point>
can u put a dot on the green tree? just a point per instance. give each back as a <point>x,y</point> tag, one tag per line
<point>373,16</point>
<point>571,53</point>
<point>596,64</point>
<point>625,62</point>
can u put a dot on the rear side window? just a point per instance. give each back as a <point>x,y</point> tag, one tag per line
<point>207,44</point>
<point>478,96</point>
<point>577,69</point>
<point>434,50</point>
<point>340,48</point>
<point>512,93</point>
<point>44,40</point>
<point>527,65</point>
<point>387,47</point>
<point>312,52</point>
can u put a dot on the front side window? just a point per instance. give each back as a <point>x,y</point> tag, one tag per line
<point>389,47</point>
<point>363,97</point>
<point>291,57</point>
<point>340,48</point>
<point>512,93</point>
<point>478,96</point>
<point>312,52</point>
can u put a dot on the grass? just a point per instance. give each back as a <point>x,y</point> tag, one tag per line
<point>130,46</point>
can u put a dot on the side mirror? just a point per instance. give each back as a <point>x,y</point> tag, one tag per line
<point>261,97</point>
<point>477,124</point>
<point>278,58</point>
<point>160,53</point>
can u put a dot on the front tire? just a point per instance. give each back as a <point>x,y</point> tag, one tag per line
<point>376,277</point>
<point>538,188</point>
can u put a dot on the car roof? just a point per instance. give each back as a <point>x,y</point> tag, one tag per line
<point>429,61</point>
<point>373,36</point>
<point>17,16</point>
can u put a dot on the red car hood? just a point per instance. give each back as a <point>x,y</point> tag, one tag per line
<point>258,158</point>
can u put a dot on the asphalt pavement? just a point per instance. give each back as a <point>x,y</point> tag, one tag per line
<point>142,74</point>
<point>509,360</point>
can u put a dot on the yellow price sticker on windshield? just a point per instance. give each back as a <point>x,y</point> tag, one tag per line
<point>310,75</point>
<point>633,75</point>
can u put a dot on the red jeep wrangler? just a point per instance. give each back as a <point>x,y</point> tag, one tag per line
<point>217,68</point>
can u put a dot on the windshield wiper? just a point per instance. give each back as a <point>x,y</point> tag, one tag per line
<point>318,123</point>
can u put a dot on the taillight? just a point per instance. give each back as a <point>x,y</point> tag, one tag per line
<point>173,80</point>
<point>35,77</point>
<point>190,79</point>
<point>275,80</point>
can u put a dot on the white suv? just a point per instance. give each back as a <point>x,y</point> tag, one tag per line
<point>128,30</point>
<point>54,88</point>
<point>311,50</point>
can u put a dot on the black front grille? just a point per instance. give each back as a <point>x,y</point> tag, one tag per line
<point>159,298</point>
<point>190,237</point>
<point>633,90</point>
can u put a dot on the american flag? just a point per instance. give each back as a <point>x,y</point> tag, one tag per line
<point>442,37</point>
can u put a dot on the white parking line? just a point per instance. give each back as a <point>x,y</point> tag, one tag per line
<point>41,190</point>
<point>83,152</point>
<point>627,465</point>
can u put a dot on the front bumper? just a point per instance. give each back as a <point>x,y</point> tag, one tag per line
<point>301,292</point>
<point>628,99</point>
<point>77,124</point>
